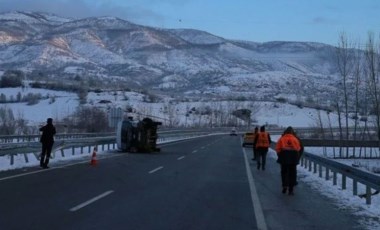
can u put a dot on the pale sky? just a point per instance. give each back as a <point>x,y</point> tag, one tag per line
<point>251,20</point>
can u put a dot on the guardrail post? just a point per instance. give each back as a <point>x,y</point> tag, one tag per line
<point>81,150</point>
<point>344,182</point>
<point>320,170</point>
<point>368,195</point>
<point>26,158</point>
<point>73,150</point>
<point>310,166</point>
<point>334,178</point>
<point>355,187</point>
<point>327,173</point>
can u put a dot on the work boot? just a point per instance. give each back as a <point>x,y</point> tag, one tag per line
<point>258,166</point>
<point>284,189</point>
<point>290,193</point>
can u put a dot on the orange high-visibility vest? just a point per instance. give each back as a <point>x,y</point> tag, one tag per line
<point>262,140</point>
<point>288,142</point>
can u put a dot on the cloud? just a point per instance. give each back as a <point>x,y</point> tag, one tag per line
<point>322,21</point>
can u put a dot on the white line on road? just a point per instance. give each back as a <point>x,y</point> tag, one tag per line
<point>180,158</point>
<point>76,208</point>
<point>194,151</point>
<point>259,215</point>
<point>156,169</point>
<point>24,174</point>
<point>53,168</point>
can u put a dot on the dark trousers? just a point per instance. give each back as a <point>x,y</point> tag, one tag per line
<point>288,175</point>
<point>45,154</point>
<point>261,157</point>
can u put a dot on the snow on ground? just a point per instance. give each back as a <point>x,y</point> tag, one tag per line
<point>270,113</point>
<point>367,215</point>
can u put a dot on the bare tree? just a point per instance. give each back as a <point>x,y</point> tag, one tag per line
<point>348,62</point>
<point>357,80</point>
<point>345,60</point>
<point>372,69</point>
<point>7,121</point>
<point>91,119</point>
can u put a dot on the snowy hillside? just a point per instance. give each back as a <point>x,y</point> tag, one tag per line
<point>171,61</point>
<point>60,104</point>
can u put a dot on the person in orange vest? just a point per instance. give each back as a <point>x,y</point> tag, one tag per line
<point>261,144</point>
<point>254,137</point>
<point>288,150</point>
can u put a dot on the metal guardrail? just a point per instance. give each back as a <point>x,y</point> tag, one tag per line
<point>7,139</point>
<point>103,143</point>
<point>339,143</point>
<point>319,165</point>
<point>25,144</point>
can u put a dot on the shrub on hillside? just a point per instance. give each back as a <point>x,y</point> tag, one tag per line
<point>90,119</point>
<point>11,78</point>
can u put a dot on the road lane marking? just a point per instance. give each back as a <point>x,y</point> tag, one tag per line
<point>156,169</point>
<point>180,158</point>
<point>84,204</point>
<point>194,151</point>
<point>259,215</point>
<point>24,174</point>
<point>49,169</point>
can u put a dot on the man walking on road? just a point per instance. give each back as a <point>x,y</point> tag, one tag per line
<point>47,140</point>
<point>261,144</point>
<point>288,150</point>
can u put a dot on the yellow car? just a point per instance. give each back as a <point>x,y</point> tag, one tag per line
<point>248,138</point>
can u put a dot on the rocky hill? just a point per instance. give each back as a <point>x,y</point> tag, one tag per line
<point>181,61</point>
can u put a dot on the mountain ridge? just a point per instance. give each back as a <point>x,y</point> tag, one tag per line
<point>170,60</point>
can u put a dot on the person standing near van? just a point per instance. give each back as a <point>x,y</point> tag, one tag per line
<point>261,144</point>
<point>47,140</point>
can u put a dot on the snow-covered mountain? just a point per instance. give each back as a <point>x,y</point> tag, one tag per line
<point>171,60</point>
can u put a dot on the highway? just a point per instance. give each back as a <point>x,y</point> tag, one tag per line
<point>202,183</point>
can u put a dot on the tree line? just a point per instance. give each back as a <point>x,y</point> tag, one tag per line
<point>358,97</point>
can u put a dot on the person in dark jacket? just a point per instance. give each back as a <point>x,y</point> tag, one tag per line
<point>256,132</point>
<point>47,140</point>
<point>261,144</point>
<point>288,150</point>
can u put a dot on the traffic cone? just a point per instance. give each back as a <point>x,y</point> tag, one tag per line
<point>93,158</point>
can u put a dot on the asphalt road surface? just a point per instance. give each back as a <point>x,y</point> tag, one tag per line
<point>203,183</point>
